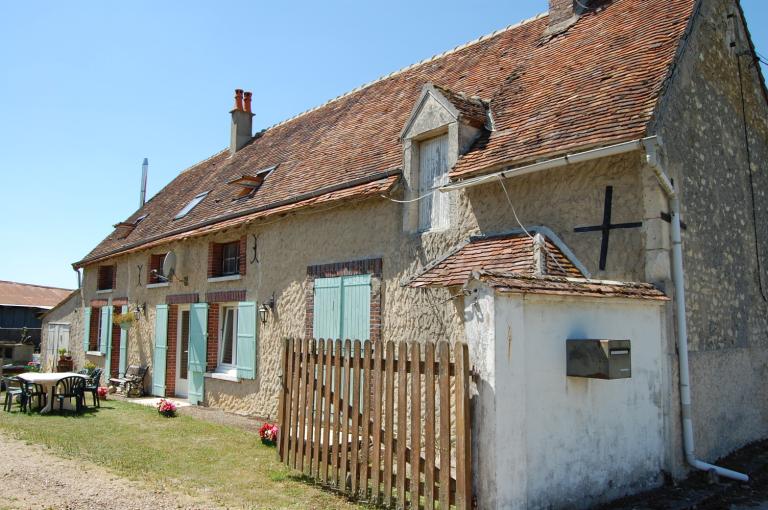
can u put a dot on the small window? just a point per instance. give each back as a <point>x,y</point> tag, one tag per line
<point>230,259</point>
<point>191,205</point>
<point>228,339</point>
<point>156,268</point>
<point>106,278</point>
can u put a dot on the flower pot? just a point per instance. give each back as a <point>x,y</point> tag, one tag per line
<point>267,442</point>
<point>126,325</point>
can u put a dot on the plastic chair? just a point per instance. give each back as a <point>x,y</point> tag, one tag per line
<point>92,386</point>
<point>14,387</point>
<point>68,388</point>
<point>31,391</point>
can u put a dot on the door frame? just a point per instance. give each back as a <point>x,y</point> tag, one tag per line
<point>177,370</point>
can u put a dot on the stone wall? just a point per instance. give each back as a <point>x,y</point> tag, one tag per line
<point>373,229</point>
<point>701,123</point>
<point>69,312</point>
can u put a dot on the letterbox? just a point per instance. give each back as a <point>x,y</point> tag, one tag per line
<point>599,358</point>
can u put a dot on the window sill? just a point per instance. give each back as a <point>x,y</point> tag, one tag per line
<point>229,278</point>
<point>104,291</point>
<point>94,353</point>
<point>222,377</point>
<point>158,285</point>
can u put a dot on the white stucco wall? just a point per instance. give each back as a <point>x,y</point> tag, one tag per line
<point>545,440</point>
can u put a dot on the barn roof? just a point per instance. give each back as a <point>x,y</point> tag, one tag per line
<point>32,296</point>
<point>595,84</point>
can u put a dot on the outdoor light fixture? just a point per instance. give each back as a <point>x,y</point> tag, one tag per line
<point>266,307</point>
<point>139,309</point>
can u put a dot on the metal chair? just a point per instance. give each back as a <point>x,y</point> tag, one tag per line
<point>14,390</point>
<point>68,388</point>
<point>92,386</point>
<point>31,391</point>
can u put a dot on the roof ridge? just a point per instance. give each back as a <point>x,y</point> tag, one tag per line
<point>411,66</point>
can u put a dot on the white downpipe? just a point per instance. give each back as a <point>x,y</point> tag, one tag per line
<point>682,328</point>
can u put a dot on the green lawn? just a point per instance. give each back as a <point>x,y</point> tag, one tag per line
<point>224,463</point>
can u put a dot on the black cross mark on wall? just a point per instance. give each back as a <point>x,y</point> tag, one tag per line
<point>607,226</point>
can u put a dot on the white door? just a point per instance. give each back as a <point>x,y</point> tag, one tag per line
<point>58,338</point>
<point>182,353</point>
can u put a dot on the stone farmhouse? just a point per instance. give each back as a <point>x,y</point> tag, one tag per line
<point>507,193</point>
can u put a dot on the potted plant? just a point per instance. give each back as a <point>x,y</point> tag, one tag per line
<point>268,434</point>
<point>90,366</point>
<point>166,408</point>
<point>62,352</point>
<point>103,392</point>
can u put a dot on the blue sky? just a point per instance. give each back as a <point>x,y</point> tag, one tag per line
<point>88,89</point>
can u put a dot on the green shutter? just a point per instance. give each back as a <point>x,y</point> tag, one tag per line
<point>198,339</point>
<point>86,328</point>
<point>106,329</point>
<point>246,340</point>
<point>123,347</point>
<point>356,307</point>
<point>161,350</point>
<point>327,308</point>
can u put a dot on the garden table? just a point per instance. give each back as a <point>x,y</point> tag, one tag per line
<point>48,381</point>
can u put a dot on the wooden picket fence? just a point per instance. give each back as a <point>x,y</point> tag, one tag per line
<point>388,435</point>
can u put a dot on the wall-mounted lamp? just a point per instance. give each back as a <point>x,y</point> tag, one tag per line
<point>140,308</point>
<point>265,308</point>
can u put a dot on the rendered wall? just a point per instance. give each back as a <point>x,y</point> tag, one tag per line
<point>545,440</point>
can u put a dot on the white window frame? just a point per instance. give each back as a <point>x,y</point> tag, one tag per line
<point>437,206</point>
<point>227,368</point>
<point>191,205</point>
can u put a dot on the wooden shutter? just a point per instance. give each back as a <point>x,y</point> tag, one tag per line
<point>161,348</point>
<point>106,330</point>
<point>86,327</point>
<point>433,172</point>
<point>327,308</point>
<point>246,340</point>
<point>356,307</point>
<point>123,348</point>
<point>198,339</point>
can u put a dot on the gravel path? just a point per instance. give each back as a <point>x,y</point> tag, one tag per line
<point>33,479</point>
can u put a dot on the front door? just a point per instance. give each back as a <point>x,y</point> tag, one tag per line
<point>182,354</point>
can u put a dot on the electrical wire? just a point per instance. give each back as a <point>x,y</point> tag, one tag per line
<point>412,200</point>
<point>751,182</point>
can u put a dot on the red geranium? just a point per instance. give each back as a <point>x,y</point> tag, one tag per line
<point>268,432</point>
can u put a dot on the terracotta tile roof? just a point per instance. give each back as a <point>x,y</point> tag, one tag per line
<point>511,253</point>
<point>526,284</point>
<point>595,84</point>
<point>472,108</point>
<point>33,296</point>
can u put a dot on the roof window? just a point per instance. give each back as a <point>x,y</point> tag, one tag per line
<point>191,205</point>
<point>249,184</point>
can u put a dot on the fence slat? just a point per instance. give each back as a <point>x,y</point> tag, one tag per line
<point>415,423</point>
<point>429,426</point>
<point>298,457</point>
<point>463,453</point>
<point>355,439</point>
<point>327,377</point>
<point>445,424</point>
<point>344,442</point>
<point>389,398</point>
<point>376,441</point>
<point>317,437</point>
<point>310,405</point>
<point>402,420</point>
<point>366,420</point>
<point>336,410</point>
<point>285,395</point>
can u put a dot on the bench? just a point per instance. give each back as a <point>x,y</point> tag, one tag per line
<point>132,382</point>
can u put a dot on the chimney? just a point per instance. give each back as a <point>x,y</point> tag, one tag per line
<point>563,14</point>
<point>242,121</point>
<point>143,193</point>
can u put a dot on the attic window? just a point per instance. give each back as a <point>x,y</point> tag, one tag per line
<point>249,184</point>
<point>140,219</point>
<point>191,205</point>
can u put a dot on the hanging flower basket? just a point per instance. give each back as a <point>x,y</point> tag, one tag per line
<point>125,320</point>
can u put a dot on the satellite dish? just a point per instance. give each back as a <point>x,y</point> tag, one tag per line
<point>169,265</point>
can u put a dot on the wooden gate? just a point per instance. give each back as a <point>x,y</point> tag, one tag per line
<point>379,421</point>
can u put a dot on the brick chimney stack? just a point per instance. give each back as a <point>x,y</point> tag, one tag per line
<point>563,14</point>
<point>242,121</point>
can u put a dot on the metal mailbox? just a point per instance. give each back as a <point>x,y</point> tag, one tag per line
<point>599,358</point>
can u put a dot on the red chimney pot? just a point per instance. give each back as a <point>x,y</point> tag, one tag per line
<point>247,101</point>
<point>238,99</point>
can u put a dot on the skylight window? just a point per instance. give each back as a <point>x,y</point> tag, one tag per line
<point>249,184</point>
<point>191,205</point>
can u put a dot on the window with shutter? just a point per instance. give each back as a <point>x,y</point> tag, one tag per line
<point>342,307</point>
<point>433,173</point>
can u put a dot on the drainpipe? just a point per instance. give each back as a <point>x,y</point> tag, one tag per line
<point>651,148</point>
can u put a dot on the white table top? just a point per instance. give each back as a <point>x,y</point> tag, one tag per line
<point>47,377</point>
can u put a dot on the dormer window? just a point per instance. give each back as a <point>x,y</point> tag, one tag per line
<point>191,205</point>
<point>249,184</point>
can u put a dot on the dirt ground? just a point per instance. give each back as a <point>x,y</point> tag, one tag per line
<point>33,479</point>
<point>700,493</point>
